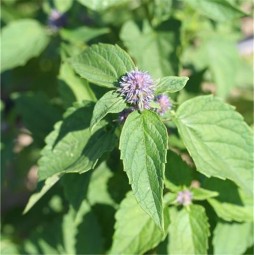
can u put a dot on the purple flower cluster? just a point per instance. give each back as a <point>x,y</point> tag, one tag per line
<point>164,104</point>
<point>137,88</point>
<point>184,197</point>
<point>56,20</point>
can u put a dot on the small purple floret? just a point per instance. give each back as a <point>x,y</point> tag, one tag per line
<point>184,197</point>
<point>164,104</point>
<point>56,19</point>
<point>137,88</point>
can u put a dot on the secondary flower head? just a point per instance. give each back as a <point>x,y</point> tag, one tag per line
<point>184,197</point>
<point>164,104</point>
<point>137,88</point>
<point>56,19</point>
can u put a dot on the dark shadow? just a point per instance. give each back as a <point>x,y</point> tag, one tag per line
<point>228,191</point>
<point>89,239</point>
<point>76,187</point>
<point>105,216</point>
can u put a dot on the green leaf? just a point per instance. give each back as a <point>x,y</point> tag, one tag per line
<point>103,64</point>
<point>202,194</point>
<point>82,34</point>
<point>143,145</point>
<point>189,231</point>
<point>219,10</point>
<point>111,102</point>
<point>71,147</point>
<point>135,231</point>
<point>20,41</point>
<point>63,5</point>
<point>224,62</point>
<point>154,50</point>
<point>218,140</point>
<point>98,5</point>
<point>232,238</point>
<point>232,203</point>
<point>49,182</point>
<point>72,88</point>
<point>170,84</point>
<point>230,212</point>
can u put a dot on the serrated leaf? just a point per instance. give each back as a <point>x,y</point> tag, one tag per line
<point>103,64</point>
<point>232,238</point>
<point>170,84</point>
<point>218,140</point>
<point>98,5</point>
<point>219,10</point>
<point>111,102</point>
<point>49,182</point>
<point>189,231</point>
<point>202,194</point>
<point>155,50</point>
<point>20,41</point>
<point>135,231</point>
<point>71,147</point>
<point>143,145</point>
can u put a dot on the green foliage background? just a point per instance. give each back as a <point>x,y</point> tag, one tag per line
<point>49,91</point>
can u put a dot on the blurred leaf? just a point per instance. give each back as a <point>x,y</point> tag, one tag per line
<point>232,238</point>
<point>140,234</point>
<point>111,102</point>
<point>37,112</point>
<point>218,140</point>
<point>224,62</point>
<point>170,84</point>
<point>219,10</point>
<point>20,41</point>
<point>98,5</point>
<point>154,50</point>
<point>63,5</point>
<point>143,146</point>
<point>74,233</point>
<point>72,88</point>
<point>82,34</point>
<point>187,234</point>
<point>71,147</point>
<point>7,246</point>
<point>49,182</point>
<point>103,64</point>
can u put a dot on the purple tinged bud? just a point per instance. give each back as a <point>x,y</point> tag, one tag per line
<point>184,197</point>
<point>164,104</point>
<point>124,114</point>
<point>56,19</point>
<point>137,88</point>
